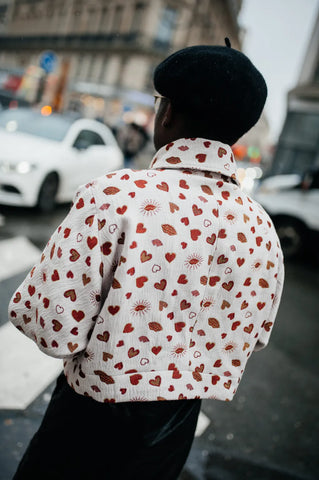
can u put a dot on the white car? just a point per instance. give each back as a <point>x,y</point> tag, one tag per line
<point>292,202</point>
<point>44,159</point>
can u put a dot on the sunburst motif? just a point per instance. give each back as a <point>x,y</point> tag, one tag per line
<point>150,207</point>
<point>95,298</point>
<point>89,355</point>
<point>229,347</point>
<point>193,261</point>
<point>179,350</point>
<point>257,264</point>
<point>206,303</point>
<point>138,399</point>
<point>140,308</point>
<point>230,217</point>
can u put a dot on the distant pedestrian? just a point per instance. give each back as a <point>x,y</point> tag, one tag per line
<point>157,286</point>
<point>131,138</point>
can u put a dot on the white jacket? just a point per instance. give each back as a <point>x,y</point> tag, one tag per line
<point>159,283</point>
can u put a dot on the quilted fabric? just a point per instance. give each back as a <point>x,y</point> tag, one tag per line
<point>159,283</point>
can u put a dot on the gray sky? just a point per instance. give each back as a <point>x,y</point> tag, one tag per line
<point>277,36</point>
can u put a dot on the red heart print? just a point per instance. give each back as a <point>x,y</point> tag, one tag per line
<point>161,285</point>
<point>182,279</point>
<point>221,152</point>
<point>80,204</point>
<point>140,281</point>
<point>132,352</point>
<point>184,305</point>
<point>156,350</point>
<point>225,195</point>
<point>140,183</point>
<point>170,256</point>
<point>156,382</point>
<point>78,315</point>
<point>56,325</point>
<point>104,337</point>
<point>89,220</point>
<point>196,210</point>
<point>70,294</point>
<point>201,157</point>
<point>134,379</point>
<point>67,232</point>
<point>140,228</point>
<point>163,186</point>
<point>121,210</point>
<point>215,379</point>
<point>113,309</point>
<point>74,255</point>
<point>235,325</point>
<point>179,326</point>
<point>195,233</point>
<point>128,328</point>
<point>46,302</point>
<point>183,184</point>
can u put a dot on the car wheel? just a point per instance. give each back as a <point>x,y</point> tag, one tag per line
<point>292,236</point>
<point>47,193</point>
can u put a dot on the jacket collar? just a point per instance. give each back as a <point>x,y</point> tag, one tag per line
<point>197,154</point>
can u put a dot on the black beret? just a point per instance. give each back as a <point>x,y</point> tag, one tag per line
<point>215,83</point>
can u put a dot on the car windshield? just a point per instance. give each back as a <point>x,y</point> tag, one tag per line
<point>53,127</point>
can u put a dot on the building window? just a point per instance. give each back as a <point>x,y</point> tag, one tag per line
<point>103,71</point>
<point>301,129</point>
<point>3,14</point>
<point>117,20</point>
<point>104,19</point>
<point>166,27</point>
<point>137,17</point>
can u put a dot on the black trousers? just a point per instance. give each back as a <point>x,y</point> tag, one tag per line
<point>80,438</point>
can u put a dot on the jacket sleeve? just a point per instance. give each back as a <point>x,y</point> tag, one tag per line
<point>269,322</point>
<point>59,301</point>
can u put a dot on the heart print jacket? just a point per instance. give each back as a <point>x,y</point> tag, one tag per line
<point>159,283</point>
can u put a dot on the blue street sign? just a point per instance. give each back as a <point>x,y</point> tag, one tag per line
<point>48,61</point>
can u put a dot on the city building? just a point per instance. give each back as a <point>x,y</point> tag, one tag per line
<point>298,145</point>
<point>105,50</point>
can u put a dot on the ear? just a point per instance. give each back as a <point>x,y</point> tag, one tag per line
<point>167,115</point>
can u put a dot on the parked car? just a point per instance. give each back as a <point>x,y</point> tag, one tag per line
<point>9,100</point>
<point>43,159</point>
<point>292,202</point>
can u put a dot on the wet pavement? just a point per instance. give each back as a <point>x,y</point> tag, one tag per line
<point>268,432</point>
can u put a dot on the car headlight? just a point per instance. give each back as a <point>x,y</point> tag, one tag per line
<point>22,167</point>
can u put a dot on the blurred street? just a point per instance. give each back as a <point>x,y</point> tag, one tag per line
<point>268,432</point>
